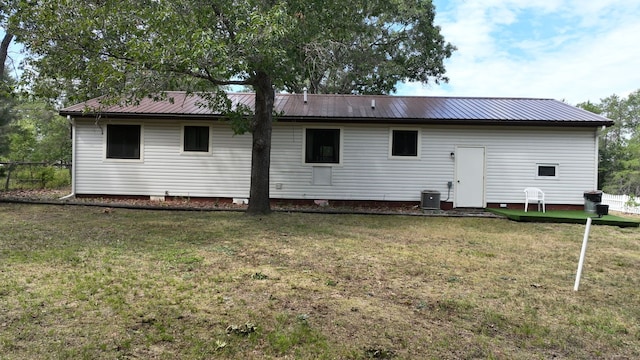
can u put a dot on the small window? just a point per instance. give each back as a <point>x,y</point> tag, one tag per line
<point>547,170</point>
<point>196,138</point>
<point>322,146</point>
<point>123,141</point>
<point>404,143</point>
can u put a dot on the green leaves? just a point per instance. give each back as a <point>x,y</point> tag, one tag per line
<point>38,134</point>
<point>619,169</point>
<point>111,47</point>
<point>370,47</point>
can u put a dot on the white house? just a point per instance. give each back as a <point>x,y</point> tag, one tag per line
<point>475,152</point>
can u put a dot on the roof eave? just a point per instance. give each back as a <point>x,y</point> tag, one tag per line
<point>354,120</point>
<point>126,115</point>
<point>419,121</point>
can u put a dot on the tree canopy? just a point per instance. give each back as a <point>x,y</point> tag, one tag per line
<point>39,134</point>
<point>132,49</point>
<point>619,169</point>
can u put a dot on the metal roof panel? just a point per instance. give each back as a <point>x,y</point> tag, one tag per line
<point>358,108</point>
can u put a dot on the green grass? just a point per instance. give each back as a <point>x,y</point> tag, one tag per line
<point>565,216</point>
<point>81,283</point>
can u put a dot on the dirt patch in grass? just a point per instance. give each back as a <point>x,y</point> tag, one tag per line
<point>79,282</point>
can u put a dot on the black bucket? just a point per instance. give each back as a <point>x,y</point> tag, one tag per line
<point>602,209</point>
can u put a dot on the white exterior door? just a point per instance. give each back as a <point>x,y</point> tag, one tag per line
<point>469,184</point>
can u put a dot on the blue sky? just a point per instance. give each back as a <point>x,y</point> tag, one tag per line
<point>572,50</point>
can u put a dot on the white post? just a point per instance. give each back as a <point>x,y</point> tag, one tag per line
<point>582,254</point>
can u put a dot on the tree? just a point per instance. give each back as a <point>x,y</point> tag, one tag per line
<point>7,103</point>
<point>4,52</point>
<point>619,168</point>
<point>38,134</point>
<point>7,83</point>
<point>6,9</point>
<point>134,49</point>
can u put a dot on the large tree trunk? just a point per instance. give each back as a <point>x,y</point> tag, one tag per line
<point>261,150</point>
<point>4,50</point>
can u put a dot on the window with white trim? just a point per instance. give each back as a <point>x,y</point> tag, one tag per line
<point>404,143</point>
<point>123,141</point>
<point>322,146</point>
<point>195,138</point>
<point>546,171</point>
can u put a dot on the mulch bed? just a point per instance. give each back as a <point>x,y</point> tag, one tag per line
<point>54,196</point>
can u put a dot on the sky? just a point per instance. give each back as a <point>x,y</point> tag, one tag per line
<point>570,50</point>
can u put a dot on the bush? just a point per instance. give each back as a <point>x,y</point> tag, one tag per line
<point>38,177</point>
<point>61,178</point>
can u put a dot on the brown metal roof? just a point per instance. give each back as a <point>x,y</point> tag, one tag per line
<point>358,108</point>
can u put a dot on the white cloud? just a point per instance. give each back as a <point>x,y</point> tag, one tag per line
<point>567,50</point>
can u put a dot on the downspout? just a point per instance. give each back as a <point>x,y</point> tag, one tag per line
<point>72,121</point>
<point>597,157</point>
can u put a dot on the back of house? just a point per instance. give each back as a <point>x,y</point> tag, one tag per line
<point>467,152</point>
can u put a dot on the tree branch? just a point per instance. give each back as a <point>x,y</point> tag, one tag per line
<point>4,51</point>
<point>168,68</point>
<point>227,24</point>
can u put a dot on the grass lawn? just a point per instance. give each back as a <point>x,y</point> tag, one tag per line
<point>80,282</point>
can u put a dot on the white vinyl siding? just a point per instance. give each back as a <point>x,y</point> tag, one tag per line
<point>366,171</point>
<point>225,172</point>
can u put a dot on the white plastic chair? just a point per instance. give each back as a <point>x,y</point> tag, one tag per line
<point>534,194</point>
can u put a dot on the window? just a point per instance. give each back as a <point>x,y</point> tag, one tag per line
<point>547,171</point>
<point>404,143</point>
<point>123,141</point>
<point>322,146</point>
<point>195,138</point>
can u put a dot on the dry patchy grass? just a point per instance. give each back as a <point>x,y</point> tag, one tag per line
<point>84,283</point>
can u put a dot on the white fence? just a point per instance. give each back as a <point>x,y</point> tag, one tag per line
<point>624,203</point>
